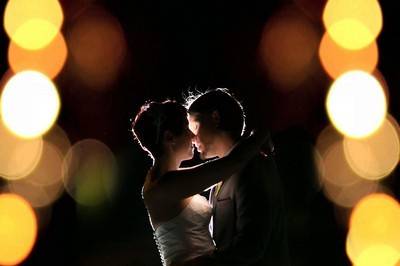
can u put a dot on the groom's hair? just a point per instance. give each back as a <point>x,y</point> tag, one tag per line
<point>230,110</point>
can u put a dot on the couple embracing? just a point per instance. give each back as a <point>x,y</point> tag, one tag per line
<point>242,222</point>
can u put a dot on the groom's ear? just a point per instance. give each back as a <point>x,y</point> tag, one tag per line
<point>216,117</point>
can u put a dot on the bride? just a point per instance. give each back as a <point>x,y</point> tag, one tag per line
<point>178,215</point>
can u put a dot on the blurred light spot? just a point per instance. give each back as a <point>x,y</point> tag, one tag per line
<point>33,24</point>
<point>49,60</point>
<point>337,60</point>
<point>381,255</point>
<point>44,184</point>
<point>340,183</point>
<point>89,171</point>
<point>98,48</point>
<point>59,138</point>
<point>351,34</point>
<point>288,45</point>
<point>353,24</point>
<point>336,168</point>
<point>42,213</point>
<point>356,104</point>
<point>29,104</point>
<point>326,138</point>
<point>374,224</point>
<point>38,196</point>
<point>18,157</point>
<point>349,195</point>
<point>48,170</point>
<point>332,164</point>
<point>18,229</point>
<point>375,156</point>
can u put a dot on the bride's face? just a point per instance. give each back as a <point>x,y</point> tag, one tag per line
<point>183,144</point>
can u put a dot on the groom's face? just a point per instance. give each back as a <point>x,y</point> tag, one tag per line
<point>204,129</point>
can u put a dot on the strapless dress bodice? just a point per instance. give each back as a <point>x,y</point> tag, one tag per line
<point>186,236</point>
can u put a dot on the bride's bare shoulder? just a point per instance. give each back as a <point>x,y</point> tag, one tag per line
<point>150,182</point>
<point>153,186</point>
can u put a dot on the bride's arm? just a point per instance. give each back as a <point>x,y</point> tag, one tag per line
<point>183,183</point>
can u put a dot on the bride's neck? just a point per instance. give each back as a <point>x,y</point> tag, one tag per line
<point>165,164</point>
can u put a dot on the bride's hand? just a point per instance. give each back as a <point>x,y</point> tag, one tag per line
<point>250,145</point>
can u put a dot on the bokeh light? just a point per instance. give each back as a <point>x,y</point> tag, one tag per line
<point>49,60</point>
<point>356,104</point>
<point>337,60</point>
<point>89,172</point>
<point>353,24</point>
<point>59,138</point>
<point>382,255</point>
<point>38,196</point>
<point>374,228</point>
<point>287,48</point>
<point>29,104</point>
<point>18,157</point>
<point>332,165</point>
<point>33,24</point>
<point>348,196</point>
<point>340,183</point>
<point>375,156</point>
<point>48,170</point>
<point>98,48</point>
<point>44,184</point>
<point>336,168</point>
<point>18,229</point>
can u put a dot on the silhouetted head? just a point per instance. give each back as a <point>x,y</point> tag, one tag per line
<point>161,128</point>
<point>214,115</point>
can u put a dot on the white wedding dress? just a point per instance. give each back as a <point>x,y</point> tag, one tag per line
<point>186,236</point>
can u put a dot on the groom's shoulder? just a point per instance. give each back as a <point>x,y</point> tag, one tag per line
<point>259,161</point>
<point>260,167</point>
<point>257,166</point>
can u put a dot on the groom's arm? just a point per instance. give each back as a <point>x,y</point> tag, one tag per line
<point>255,220</point>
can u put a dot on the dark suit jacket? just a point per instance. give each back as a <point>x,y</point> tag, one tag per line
<point>249,227</point>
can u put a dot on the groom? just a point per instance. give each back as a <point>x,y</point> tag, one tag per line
<point>248,225</point>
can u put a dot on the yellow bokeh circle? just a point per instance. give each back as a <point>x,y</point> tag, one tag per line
<point>337,60</point>
<point>377,155</point>
<point>353,24</point>
<point>18,229</point>
<point>33,24</point>
<point>356,104</point>
<point>49,60</point>
<point>374,228</point>
<point>29,104</point>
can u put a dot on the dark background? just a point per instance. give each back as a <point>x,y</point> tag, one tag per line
<point>174,47</point>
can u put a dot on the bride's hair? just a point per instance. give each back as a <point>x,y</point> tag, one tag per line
<point>153,120</point>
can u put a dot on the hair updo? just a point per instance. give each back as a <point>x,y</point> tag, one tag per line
<point>153,120</point>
